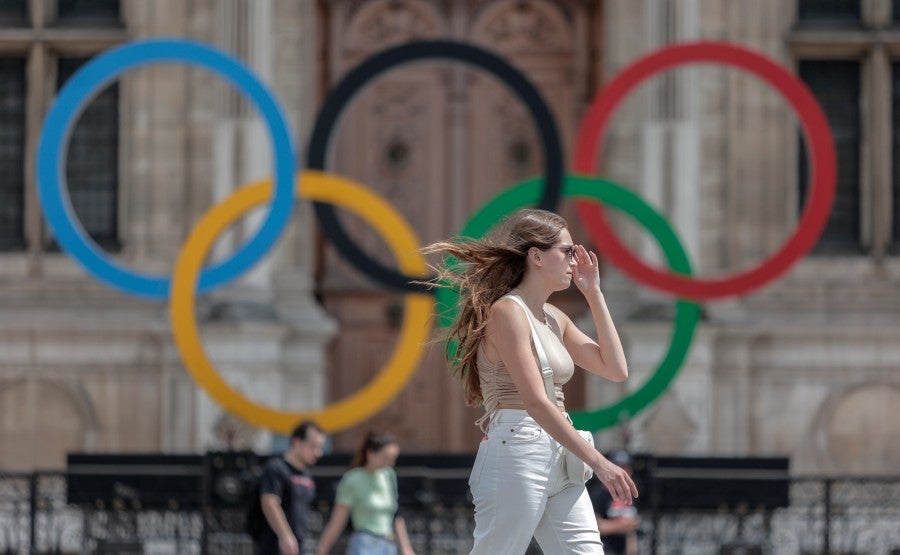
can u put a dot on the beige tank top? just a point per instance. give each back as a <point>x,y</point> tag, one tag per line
<point>497,387</point>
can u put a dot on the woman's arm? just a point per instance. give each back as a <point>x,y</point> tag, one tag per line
<point>402,536</point>
<point>509,334</point>
<point>336,524</point>
<point>605,356</point>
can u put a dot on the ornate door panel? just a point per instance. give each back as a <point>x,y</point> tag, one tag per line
<point>504,145</point>
<point>437,140</point>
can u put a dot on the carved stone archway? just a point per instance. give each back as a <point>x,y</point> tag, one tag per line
<point>851,430</point>
<point>383,23</point>
<point>530,27</point>
<point>41,420</point>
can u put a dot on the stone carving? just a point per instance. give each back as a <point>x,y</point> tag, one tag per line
<point>398,106</point>
<point>521,149</point>
<point>385,23</point>
<point>523,25</point>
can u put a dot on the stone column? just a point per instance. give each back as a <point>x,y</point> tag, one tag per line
<point>265,332</point>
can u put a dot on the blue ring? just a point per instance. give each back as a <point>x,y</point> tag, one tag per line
<point>50,170</point>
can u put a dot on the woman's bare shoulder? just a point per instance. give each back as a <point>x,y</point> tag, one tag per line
<point>505,308</point>
<point>506,314</point>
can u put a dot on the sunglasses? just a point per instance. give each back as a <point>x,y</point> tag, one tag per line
<point>569,251</point>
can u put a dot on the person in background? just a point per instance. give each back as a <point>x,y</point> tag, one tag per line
<point>286,490</point>
<point>617,521</point>
<point>367,494</point>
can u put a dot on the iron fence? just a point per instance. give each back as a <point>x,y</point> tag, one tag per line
<point>829,516</point>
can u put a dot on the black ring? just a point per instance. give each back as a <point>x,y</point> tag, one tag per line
<point>354,81</point>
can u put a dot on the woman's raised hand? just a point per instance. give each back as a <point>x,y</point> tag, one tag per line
<point>586,271</point>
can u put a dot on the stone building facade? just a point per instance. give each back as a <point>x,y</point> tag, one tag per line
<point>86,368</point>
<point>805,367</point>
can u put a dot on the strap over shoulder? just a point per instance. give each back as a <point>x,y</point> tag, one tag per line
<point>546,370</point>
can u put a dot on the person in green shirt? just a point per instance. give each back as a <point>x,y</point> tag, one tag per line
<point>367,494</point>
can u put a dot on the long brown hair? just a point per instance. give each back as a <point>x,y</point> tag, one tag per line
<point>486,270</point>
<point>373,441</point>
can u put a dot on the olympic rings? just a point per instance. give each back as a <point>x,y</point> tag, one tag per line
<point>189,279</point>
<point>687,313</point>
<point>413,334</point>
<point>364,72</point>
<point>55,134</point>
<point>821,152</point>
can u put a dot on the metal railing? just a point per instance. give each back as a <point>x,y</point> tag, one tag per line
<point>828,516</point>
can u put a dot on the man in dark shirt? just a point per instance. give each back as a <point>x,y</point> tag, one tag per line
<point>618,522</point>
<point>286,489</point>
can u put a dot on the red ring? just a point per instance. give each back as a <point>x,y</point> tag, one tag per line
<point>821,152</point>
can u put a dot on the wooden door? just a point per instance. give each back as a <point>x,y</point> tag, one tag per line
<point>437,140</point>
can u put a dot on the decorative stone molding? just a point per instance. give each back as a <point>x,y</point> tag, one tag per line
<point>57,412</point>
<point>523,26</point>
<point>383,23</point>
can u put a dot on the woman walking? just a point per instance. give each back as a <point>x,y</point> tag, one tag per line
<point>505,329</point>
<point>367,494</point>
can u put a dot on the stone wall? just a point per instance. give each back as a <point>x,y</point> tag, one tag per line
<point>804,367</point>
<point>84,368</point>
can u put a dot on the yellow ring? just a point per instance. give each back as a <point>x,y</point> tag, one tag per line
<point>396,372</point>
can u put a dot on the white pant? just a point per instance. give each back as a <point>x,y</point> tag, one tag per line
<point>520,490</point>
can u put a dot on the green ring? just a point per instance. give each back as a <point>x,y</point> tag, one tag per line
<point>687,313</point>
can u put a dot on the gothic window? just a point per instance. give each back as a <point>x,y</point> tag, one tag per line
<point>40,52</point>
<point>836,86</point>
<point>853,72</point>
<point>12,152</point>
<point>104,12</point>
<point>13,11</point>
<point>829,11</point>
<point>92,160</point>
<point>895,151</point>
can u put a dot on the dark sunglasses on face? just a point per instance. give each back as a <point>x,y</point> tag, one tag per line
<point>569,251</point>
